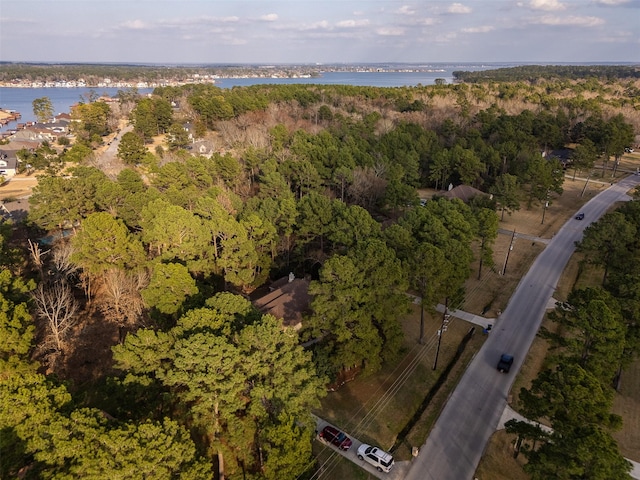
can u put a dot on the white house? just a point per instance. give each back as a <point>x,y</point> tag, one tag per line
<point>7,165</point>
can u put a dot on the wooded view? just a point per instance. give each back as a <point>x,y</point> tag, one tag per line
<point>132,346</point>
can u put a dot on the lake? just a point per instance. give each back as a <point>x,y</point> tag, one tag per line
<point>371,79</point>
<point>21,99</point>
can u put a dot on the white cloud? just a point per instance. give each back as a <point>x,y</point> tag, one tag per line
<point>547,5</point>
<point>612,3</point>
<point>135,25</point>
<point>482,29</point>
<point>207,19</point>
<point>574,21</point>
<point>320,25</point>
<point>390,31</point>
<point>232,41</point>
<point>184,28</point>
<point>427,21</point>
<point>191,22</point>
<point>349,30</point>
<point>446,38</point>
<point>458,8</point>
<point>353,23</point>
<point>406,10</point>
<point>17,21</point>
<point>619,37</point>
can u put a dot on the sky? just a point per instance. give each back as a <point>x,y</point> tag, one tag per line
<point>319,31</point>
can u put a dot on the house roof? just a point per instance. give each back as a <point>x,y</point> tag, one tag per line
<point>8,160</point>
<point>288,300</point>
<point>463,192</point>
<point>16,144</point>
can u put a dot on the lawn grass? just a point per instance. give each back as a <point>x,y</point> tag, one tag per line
<point>627,405</point>
<point>375,408</point>
<point>334,465</point>
<point>498,462</point>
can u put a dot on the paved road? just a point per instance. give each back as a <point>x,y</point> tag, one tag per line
<point>471,415</point>
<point>106,160</point>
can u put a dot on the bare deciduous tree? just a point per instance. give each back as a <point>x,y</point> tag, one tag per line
<point>385,125</point>
<point>62,267</point>
<point>230,133</point>
<point>122,303</point>
<point>257,137</point>
<point>56,305</point>
<point>37,256</point>
<point>119,110</point>
<point>367,185</point>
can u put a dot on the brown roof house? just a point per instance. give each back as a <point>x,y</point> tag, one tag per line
<point>288,300</point>
<point>463,192</point>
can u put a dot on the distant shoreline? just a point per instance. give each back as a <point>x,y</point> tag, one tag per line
<point>99,85</point>
<point>43,77</point>
<point>213,79</point>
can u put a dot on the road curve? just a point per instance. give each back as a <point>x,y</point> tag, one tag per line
<point>471,415</point>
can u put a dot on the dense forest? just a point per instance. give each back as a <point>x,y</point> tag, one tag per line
<point>533,73</point>
<point>93,74</point>
<point>151,274</point>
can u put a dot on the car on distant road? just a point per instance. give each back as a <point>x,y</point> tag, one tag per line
<point>504,365</point>
<point>580,216</point>
<point>380,459</point>
<point>334,436</point>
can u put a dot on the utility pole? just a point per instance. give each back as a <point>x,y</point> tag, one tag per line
<point>443,328</point>
<point>421,341</point>
<point>513,236</point>
<point>587,183</point>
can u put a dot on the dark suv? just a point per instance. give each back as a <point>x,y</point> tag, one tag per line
<point>336,437</point>
<point>504,365</point>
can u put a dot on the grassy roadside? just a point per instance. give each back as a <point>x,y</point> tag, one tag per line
<point>498,462</point>
<point>490,295</point>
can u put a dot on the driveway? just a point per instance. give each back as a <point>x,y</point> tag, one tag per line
<point>398,471</point>
<point>472,413</point>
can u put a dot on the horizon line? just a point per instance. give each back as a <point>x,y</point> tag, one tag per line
<point>307,64</point>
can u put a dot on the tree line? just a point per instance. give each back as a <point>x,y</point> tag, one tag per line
<point>93,74</point>
<point>534,73</point>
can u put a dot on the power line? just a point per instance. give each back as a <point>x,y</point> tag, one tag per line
<point>400,379</point>
<point>385,399</point>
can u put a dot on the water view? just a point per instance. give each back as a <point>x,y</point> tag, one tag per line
<point>21,99</point>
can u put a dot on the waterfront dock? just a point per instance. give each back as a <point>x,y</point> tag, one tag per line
<point>7,116</point>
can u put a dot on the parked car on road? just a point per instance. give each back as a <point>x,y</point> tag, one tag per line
<point>334,436</point>
<point>380,459</point>
<point>504,365</point>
